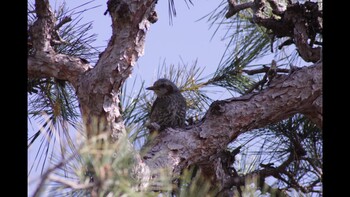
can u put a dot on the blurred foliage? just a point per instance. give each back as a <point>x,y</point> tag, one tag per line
<point>96,168</point>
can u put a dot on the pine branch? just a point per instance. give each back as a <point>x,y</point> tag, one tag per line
<point>72,184</point>
<point>298,22</point>
<point>228,117</point>
<point>48,172</point>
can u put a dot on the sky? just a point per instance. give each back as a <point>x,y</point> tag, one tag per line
<point>187,40</point>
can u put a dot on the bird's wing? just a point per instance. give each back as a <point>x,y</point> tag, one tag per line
<point>153,106</point>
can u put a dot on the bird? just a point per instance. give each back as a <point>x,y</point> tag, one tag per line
<point>169,108</point>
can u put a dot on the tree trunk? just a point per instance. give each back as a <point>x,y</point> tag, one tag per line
<point>99,90</point>
<point>98,87</point>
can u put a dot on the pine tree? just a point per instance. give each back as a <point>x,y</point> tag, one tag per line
<point>266,138</point>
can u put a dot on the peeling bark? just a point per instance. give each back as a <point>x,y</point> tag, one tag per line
<point>59,66</point>
<point>41,31</point>
<point>98,90</point>
<point>176,149</point>
<point>44,61</point>
<point>97,87</point>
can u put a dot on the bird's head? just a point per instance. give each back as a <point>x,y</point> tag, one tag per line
<point>163,87</point>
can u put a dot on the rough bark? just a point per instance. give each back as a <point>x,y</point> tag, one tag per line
<point>202,144</point>
<point>97,87</point>
<point>299,22</point>
<point>59,66</point>
<point>98,90</point>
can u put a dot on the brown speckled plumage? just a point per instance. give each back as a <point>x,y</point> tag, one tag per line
<point>169,108</point>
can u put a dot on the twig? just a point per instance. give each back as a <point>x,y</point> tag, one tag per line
<point>256,85</point>
<point>272,41</point>
<point>238,181</point>
<point>234,8</point>
<point>294,183</point>
<point>71,184</point>
<point>47,173</point>
<point>314,166</point>
<point>65,20</point>
<point>286,43</point>
<point>313,184</point>
<point>270,72</point>
<point>318,43</point>
<point>265,69</point>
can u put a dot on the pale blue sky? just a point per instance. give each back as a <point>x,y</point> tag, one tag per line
<point>186,40</point>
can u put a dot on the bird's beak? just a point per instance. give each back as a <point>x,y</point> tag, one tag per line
<point>151,88</point>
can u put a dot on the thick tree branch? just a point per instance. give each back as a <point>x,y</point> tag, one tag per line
<point>40,32</point>
<point>44,61</point>
<point>301,38</point>
<point>300,22</point>
<point>59,66</point>
<point>297,92</point>
<point>65,20</point>
<point>98,90</point>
